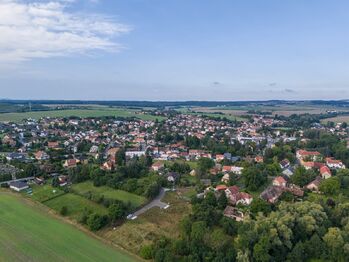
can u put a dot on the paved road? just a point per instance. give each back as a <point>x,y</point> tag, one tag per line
<point>156,202</point>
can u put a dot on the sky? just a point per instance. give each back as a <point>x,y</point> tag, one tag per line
<point>169,50</point>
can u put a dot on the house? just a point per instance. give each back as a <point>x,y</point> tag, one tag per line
<point>18,186</point>
<point>157,166</point>
<point>63,180</point>
<point>108,166</point>
<point>279,181</point>
<point>315,184</point>
<point>236,197</point>
<point>226,178</point>
<point>259,159</point>
<point>304,154</point>
<point>70,163</point>
<point>219,158</point>
<point>333,163</point>
<point>41,155</point>
<point>284,164</point>
<point>244,198</point>
<point>234,213</point>
<point>39,180</point>
<point>16,156</point>
<point>272,193</point>
<point>288,172</point>
<point>53,145</point>
<point>325,172</point>
<point>131,153</point>
<point>221,188</point>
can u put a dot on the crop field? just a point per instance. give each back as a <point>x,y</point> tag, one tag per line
<point>75,205</point>
<point>83,113</point>
<point>110,193</point>
<point>338,119</point>
<point>156,222</point>
<point>29,233</point>
<point>285,110</point>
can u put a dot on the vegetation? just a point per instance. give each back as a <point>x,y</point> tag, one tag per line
<point>28,231</point>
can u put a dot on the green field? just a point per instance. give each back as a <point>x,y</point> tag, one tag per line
<point>75,205</point>
<point>29,233</point>
<point>110,193</point>
<point>83,113</point>
<point>45,192</point>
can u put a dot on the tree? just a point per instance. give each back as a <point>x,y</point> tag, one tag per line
<point>222,201</point>
<point>335,242</point>
<point>302,177</point>
<point>116,211</point>
<point>259,205</point>
<point>96,221</point>
<point>204,164</point>
<point>198,230</point>
<point>253,178</point>
<point>330,186</point>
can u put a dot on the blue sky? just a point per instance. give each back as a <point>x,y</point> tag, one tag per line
<point>174,50</point>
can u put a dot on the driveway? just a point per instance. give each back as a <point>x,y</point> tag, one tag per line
<point>156,202</point>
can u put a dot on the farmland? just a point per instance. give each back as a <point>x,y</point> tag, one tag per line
<point>28,232</point>
<point>232,112</point>
<point>338,119</point>
<point>88,112</point>
<point>109,193</point>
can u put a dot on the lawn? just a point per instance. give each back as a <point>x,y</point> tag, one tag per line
<point>151,225</point>
<point>45,192</point>
<point>75,205</point>
<point>29,233</point>
<point>110,193</point>
<point>83,113</point>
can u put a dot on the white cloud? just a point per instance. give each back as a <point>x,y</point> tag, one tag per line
<point>49,29</point>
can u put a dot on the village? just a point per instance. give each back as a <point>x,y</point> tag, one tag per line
<point>213,154</point>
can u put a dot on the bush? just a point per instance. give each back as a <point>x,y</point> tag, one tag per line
<point>147,252</point>
<point>64,211</point>
<point>96,222</point>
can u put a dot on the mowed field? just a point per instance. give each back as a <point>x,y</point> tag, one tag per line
<point>29,233</point>
<point>83,113</point>
<point>75,205</point>
<point>109,193</point>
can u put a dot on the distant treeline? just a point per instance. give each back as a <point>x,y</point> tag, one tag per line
<point>160,104</point>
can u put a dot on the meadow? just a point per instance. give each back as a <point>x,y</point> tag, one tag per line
<point>109,193</point>
<point>75,205</point>
<point>83,113</point>
<point>28,232</point>
<point>156,222</point>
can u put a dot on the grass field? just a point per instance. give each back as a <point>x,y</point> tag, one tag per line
<point>151,225</point>
<point>338,119</point>
<point>75,205</point>
<point>45,192</point>
<point>110,193</point>
<point>95,112</point>
<point>29,233</point>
